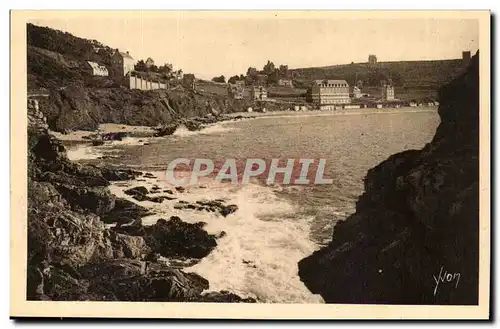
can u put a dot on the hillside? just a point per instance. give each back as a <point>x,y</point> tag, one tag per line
<point>409,74</point>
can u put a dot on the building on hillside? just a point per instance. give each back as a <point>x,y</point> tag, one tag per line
<point>149,62</point>
<point>259,93</point>
<point>388,92</point>
<point>122,63</point>
<point>93,68</point>
<point>372,59</point>
<point>356,92</point>
<point>189,81</point>
<point>136,82</point>
<point>285,83</point>
<point>236,90</point>
<point>328,93</point>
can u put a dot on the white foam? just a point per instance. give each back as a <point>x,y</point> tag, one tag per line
<point>264,239</point>
<point>217,128</point>
<point>83,152</point>
<point>127,141</point>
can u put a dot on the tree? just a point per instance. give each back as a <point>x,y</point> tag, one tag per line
<point>153,68</point>
<point>233,79</point>
<point>273,77</point>
<point>141,66</point>
<point>166,69</point>
<point>252,72</point>
<point>284,71</point>
<point>268,68</point>
<point>220,79</point>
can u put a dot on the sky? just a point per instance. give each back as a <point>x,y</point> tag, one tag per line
<point>209,46</point>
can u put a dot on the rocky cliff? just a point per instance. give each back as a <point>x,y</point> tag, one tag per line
<point>73,256</point>
<point>82,108</point>
<point>414,237</point>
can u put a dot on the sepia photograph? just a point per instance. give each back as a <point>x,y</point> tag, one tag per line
<point>257,164</point>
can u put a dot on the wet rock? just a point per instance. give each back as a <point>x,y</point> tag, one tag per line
<point>168,191</point>
<point>141,197</point>
<point>97,143</point>
<point>166,130</point>
<point>112,174</point>
<point>229,210</point>
<point>138,190</point>
<point>124,209</point>
<point>158,199</point>
<point>180,189</point>
<point>177,238</point>
<point>95,199</point>
<point>114,136</point>
<point>149,175</point>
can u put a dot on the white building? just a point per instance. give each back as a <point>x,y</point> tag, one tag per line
<point>122,63</point>
<point>328,93</point>
<point>95,69</point>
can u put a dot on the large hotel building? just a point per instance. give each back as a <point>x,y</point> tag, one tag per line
<point>329,93</point>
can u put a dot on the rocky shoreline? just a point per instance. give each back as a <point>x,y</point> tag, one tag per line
<point>72,255</point>
<point>417,220</point>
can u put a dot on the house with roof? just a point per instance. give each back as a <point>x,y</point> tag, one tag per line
<point>388,92</point>
<point>285,83</point>
<point>259,93</point>
<point>122,63</point>
<point>329,94</point>
<point>92,68</point>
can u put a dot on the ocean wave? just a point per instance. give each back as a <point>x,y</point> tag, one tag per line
<point>218,128</point>
<point>264,238</point>
<point>83,152</point>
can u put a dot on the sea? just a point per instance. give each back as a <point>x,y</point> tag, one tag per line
<point>275,225</point>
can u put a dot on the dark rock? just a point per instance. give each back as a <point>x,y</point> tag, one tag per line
<point>180,189</point>
<point>149,175</point>
<point>419,214</point>
<point>97,143</point>
<point>95,199</point>
<point>141,197</point>
<point>157,199</point>
<point>114,136</point>
<point>138,190</point>
<point>228,210</point>
<point>178,238</point>
<point>166,130</point>
<point>119,174</point>
<point>124,209</point>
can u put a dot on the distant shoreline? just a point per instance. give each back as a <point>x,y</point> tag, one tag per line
<point>81,136</point>
<point>337,112</point>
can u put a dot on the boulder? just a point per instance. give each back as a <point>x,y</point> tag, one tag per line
<point>138,190</point>
<point>177,238</point>
<point>124,209</point>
